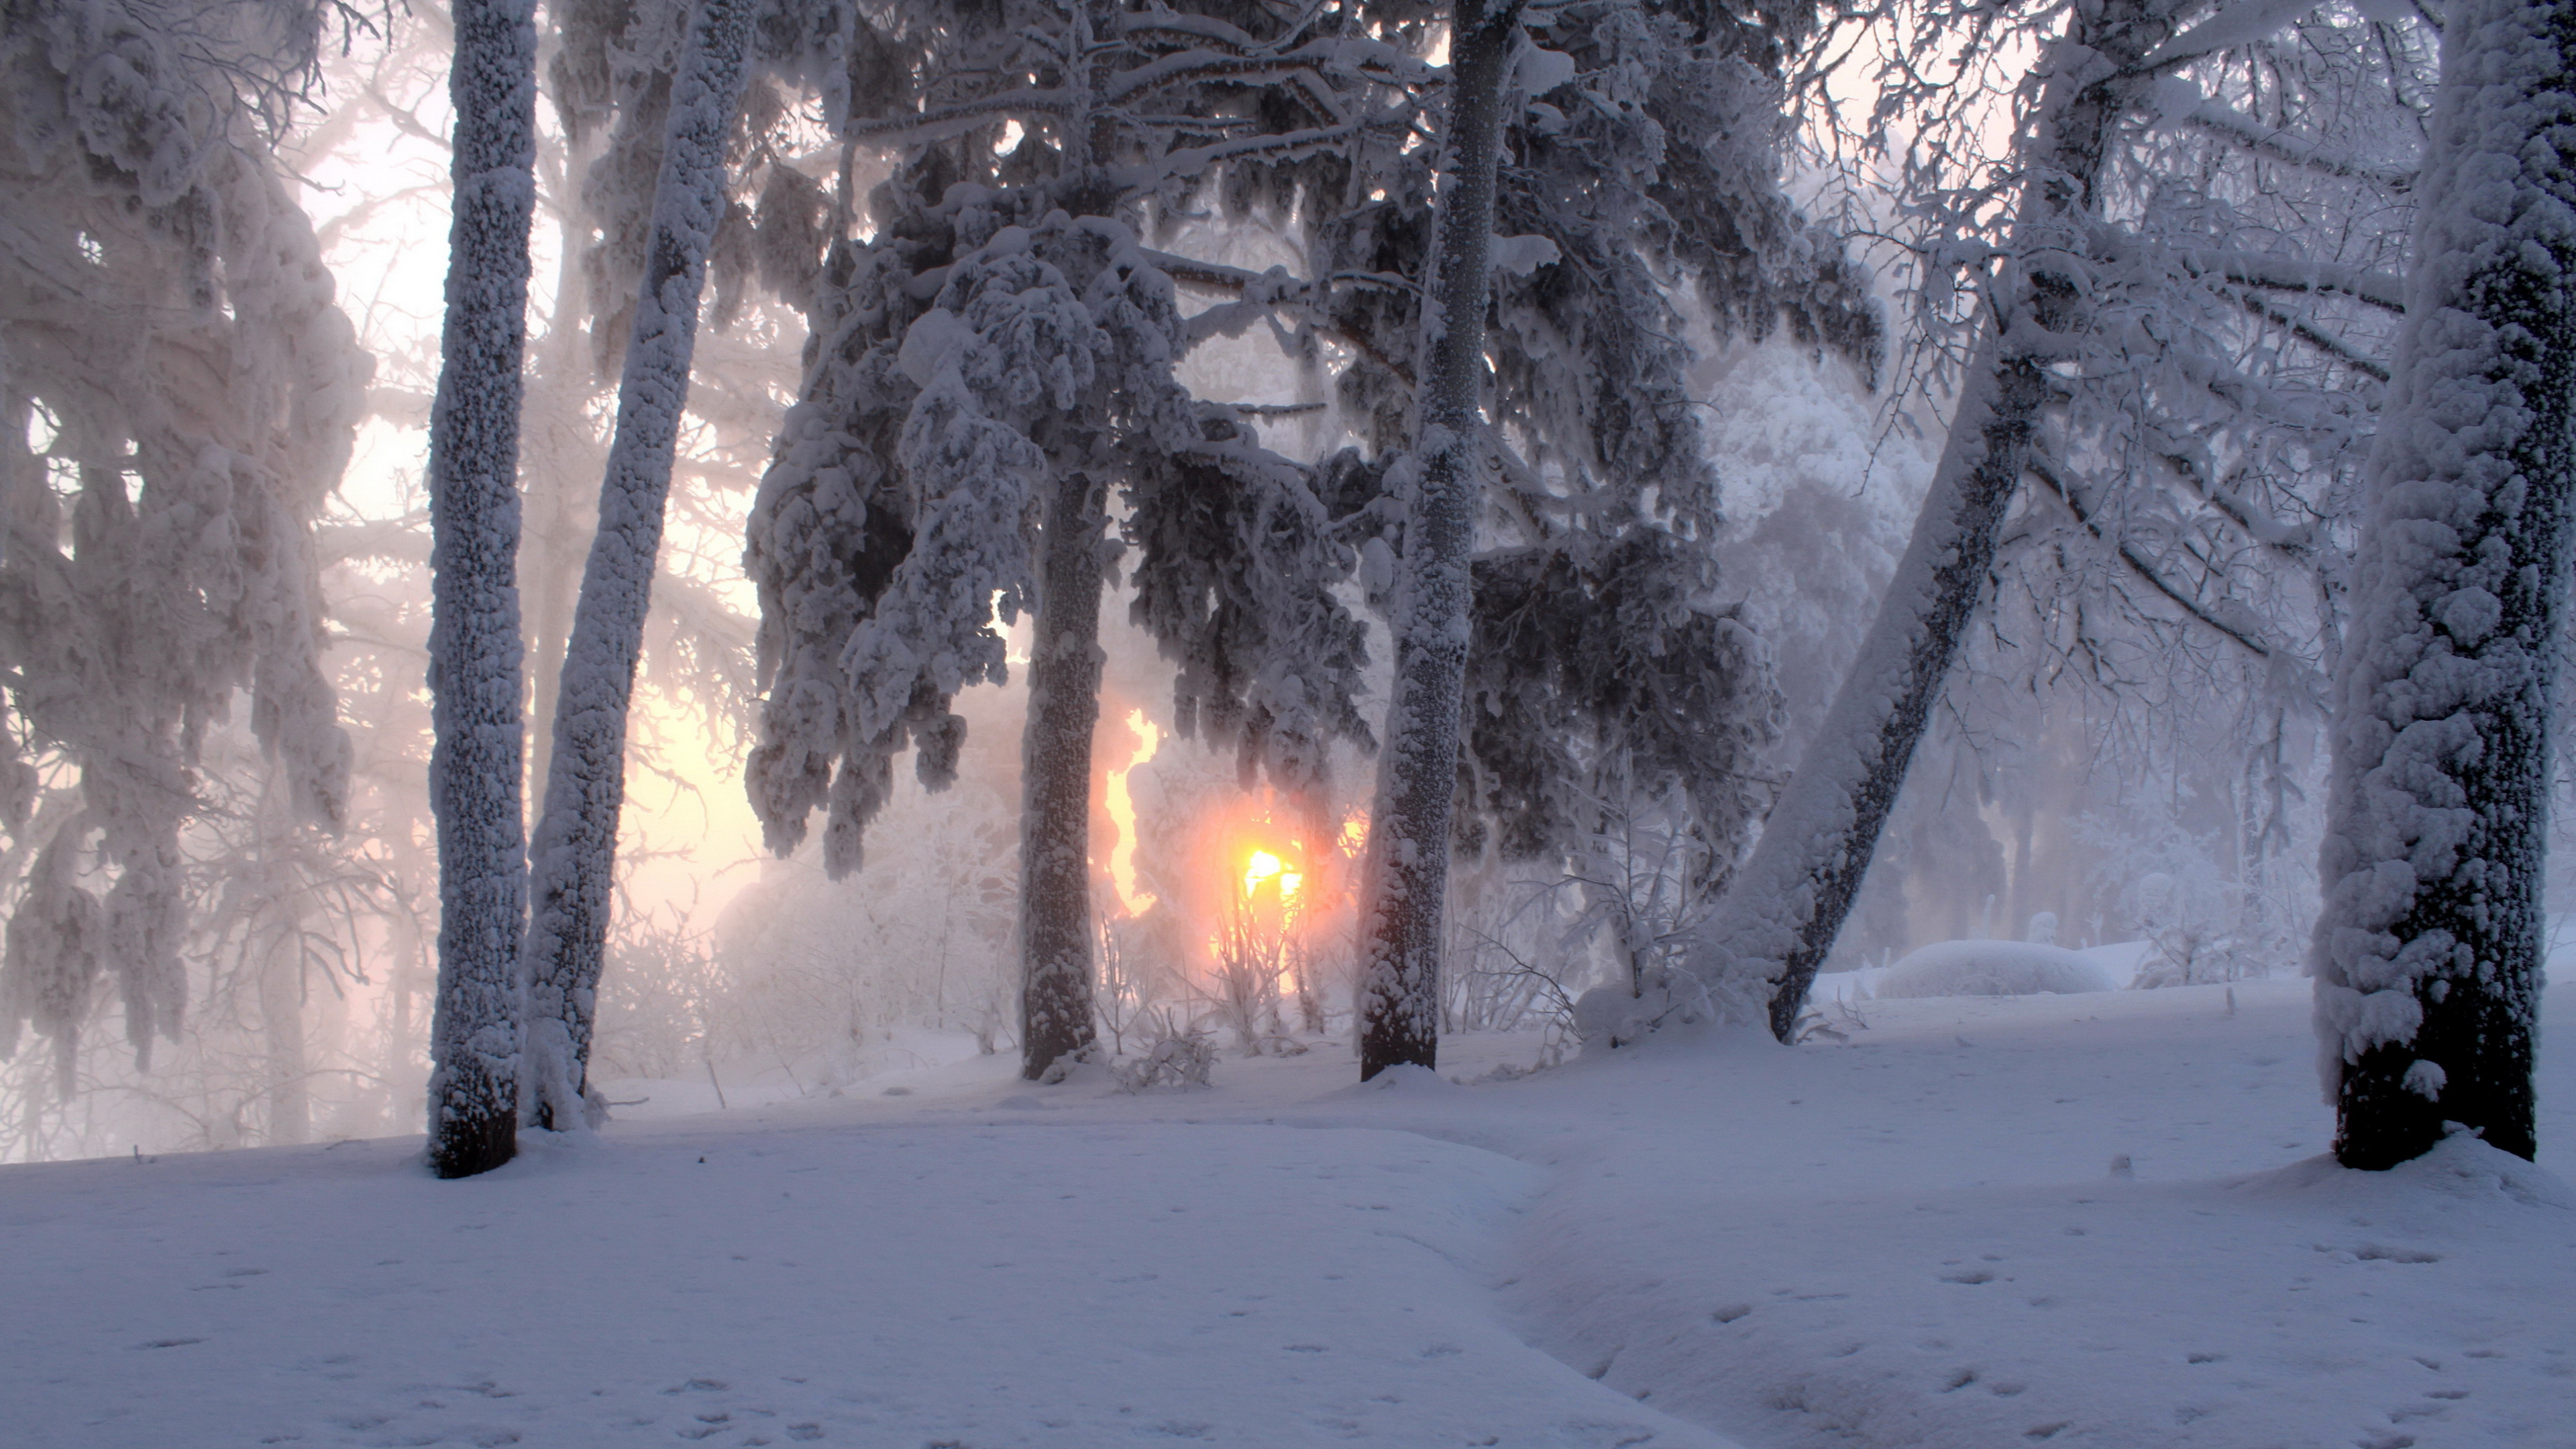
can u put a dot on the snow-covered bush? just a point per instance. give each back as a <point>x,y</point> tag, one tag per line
<point>1180,1056</point>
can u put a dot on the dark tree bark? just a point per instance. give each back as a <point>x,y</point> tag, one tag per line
<point>2428,954</point>
<point>1408,854</point>
<point>1055,823</point>
<point>474,646</point>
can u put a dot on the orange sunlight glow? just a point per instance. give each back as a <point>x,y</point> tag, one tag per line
<point>1260,866</point>
<point>1122,813</point>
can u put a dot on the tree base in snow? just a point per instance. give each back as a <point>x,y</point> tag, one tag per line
<point>472,1146</point>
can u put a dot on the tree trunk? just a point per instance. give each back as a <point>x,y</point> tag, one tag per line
<point>573,863</point>
<point>1408,854</point>
<point>559,450</point>
<point>2427,956</point>
<point>1055,819</point>
<point>557,454</point>
<point>1787,904</point>
<point>474,671</point>
<point>281,1013</point>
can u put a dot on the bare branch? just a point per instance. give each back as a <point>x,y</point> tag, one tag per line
<point>2057,486</point>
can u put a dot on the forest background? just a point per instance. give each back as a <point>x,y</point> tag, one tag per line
<point>2130,744</point>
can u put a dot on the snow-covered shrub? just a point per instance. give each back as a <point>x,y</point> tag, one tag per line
<point>1505,953</point>
<point>1180,1056</point>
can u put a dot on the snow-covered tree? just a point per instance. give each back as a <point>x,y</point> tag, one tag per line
<point>1407,871</point>
<point>2133,355</point>
<point>1792,895</point>
<point>573,856</point>
<point>985,370</point>
<point>1598,660</point>
<point>2428,955</point>
<point>177,395</point>
<point>475,659</point>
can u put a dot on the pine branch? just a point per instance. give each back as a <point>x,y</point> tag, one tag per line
<point>942,122</point>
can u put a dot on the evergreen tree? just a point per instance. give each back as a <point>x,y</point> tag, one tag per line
<point>1601,670</point>
<point>984,370</point>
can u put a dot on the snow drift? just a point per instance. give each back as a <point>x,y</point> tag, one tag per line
<point>1994,968</point>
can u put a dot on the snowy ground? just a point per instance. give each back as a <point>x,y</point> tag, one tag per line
<point>1915,1239</point>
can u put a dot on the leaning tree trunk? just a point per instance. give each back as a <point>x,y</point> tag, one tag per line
<point>1789,901</point>
<point>1055,821</point>
<point>474,658</point>
<point>1408,853</point>
<point>2427,956</point>
<point>575,855</point>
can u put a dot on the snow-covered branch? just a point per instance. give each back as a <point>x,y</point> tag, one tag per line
<point>2064,492</point>
<point>2220,119</point>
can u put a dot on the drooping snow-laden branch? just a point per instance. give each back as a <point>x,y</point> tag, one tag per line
<point>180,388</point>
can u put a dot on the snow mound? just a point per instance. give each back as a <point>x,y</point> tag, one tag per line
<point>2460,1167</point>
<point>1994,968</point>
<point>1408,1080</point>
<point>2123,959</point>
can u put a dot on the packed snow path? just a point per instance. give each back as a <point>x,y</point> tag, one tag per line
<point>1920,1239</point>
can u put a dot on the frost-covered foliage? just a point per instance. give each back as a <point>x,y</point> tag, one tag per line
<point>2194,499</point>
<point>1612,678</point>
<point>987,337</point>
<point>1640,196</point>
<point>177,395</point>
<point>2428,955</point>
<point>611,85</point>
